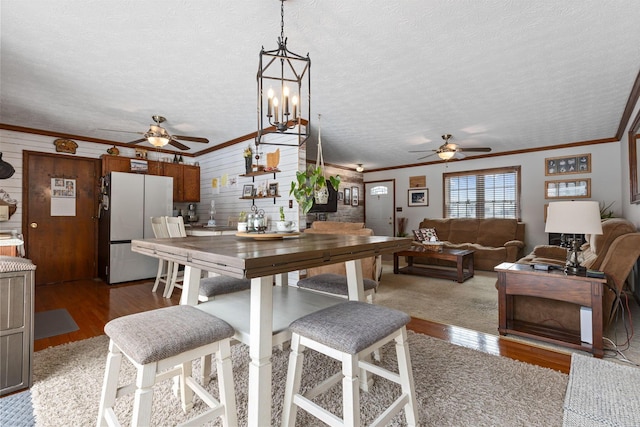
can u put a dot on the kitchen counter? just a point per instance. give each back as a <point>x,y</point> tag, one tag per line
<point>10,246</point>
<point>205,230</point>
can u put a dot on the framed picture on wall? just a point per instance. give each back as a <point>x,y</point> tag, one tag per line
<point>568,165</point>
<point>355,199</point>
<point>418,197</point>
<point>347,196</point>
<point>247,190</point>
<point>568,189</point>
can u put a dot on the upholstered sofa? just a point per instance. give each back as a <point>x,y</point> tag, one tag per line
<point>371,267</point>
<point>614,252</point>
<point>494,240</point>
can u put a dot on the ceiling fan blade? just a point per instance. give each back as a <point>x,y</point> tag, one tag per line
<point>191,138</point>
<point>477,149</point>
<point>419,151</point>
<point>428,155</point>
<point>137,141</point>
<point>122,131</point>
<point>178,144</point>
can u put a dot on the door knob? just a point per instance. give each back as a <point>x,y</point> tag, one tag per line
<point>33,225</point>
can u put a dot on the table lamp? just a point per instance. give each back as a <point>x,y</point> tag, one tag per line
<point>574,217</point>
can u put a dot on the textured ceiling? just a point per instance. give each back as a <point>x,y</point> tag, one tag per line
<point>387,77</point>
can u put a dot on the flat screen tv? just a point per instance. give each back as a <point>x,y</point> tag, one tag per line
<point>331,206</point>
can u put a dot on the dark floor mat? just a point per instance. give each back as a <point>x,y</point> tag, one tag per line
<point>53,322</point>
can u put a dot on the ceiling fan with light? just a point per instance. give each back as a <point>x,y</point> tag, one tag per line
<point>449,150</point>
<point>159,137</point>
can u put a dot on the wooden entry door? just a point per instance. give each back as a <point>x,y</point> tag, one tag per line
<point>61,237</point>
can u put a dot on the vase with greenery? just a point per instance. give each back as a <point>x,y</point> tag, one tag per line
<point>308,184</point>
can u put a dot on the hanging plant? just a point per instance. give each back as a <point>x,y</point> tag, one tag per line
<point>311,184</point>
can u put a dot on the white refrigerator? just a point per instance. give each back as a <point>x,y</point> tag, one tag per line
<point>132,200</point>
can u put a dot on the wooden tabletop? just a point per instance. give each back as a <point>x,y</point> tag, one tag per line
<point>244,257</point>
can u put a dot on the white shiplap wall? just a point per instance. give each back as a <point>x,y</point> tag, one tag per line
<point>226,163</point>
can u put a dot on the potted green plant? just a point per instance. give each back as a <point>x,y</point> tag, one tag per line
<point>312,184</point>
<point>283,225</point>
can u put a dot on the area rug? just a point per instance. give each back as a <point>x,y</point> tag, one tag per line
<point>473,304</point>
<point>53,322</point>
<point>455,386</point>
<point>601,393</point>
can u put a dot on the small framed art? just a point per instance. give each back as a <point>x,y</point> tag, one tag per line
<point>355,196</point>
<point>568,189</point>
<point>347,196</point>
<point>568,165</point>
<point>247,190</point>
<point>273,189</point>
<point>418,197</point>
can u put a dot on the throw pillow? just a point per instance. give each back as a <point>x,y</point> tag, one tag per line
<point>425,234</point>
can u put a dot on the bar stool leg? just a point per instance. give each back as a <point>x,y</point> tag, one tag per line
<point>296,360</point>
<point>226,391</point>
<point>143,399</point>
<point>406,376</point>
<point>110,383</point>
<point>350,390</point>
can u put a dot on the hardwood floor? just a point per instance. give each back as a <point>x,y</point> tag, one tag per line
<point>92,303</point>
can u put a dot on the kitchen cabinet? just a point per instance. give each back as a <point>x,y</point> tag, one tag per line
<point>123,164</point>
<point>186,178</point>
<point>186,181</point>
<point>115,164</point>
<point>16,324</point>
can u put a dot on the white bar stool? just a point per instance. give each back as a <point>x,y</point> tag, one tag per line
<point>162,344</point>
<point>348,332</point>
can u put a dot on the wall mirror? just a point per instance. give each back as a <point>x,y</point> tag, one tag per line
<point>634,159</point>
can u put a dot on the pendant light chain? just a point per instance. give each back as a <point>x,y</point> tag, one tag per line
<point>282,20</point>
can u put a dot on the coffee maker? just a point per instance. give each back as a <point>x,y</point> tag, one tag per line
<point>192,215</point>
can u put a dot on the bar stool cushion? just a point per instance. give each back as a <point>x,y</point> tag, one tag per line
<point>156,335</point>
<point>350,327</point>
<point>219,285</point>
<point>333,283</point>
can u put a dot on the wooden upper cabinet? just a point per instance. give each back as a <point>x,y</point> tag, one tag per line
<point>115,164</point>
<point>186,181</point>
<point>191,183</point>
<point>186,178</point>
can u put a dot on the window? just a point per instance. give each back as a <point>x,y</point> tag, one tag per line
<point>487,193</point>
<point>379,190</point>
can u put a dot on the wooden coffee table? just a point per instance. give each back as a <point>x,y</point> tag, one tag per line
<point>462,257</point>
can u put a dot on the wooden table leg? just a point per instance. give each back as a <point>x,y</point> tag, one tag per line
<point>596,320</point>
<point>395,263</point>
<point>190,285</point>
<point>460,268</point>
<point>261,329</point>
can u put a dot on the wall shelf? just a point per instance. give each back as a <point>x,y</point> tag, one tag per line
<point>253,198</point>
<point>260,173</point>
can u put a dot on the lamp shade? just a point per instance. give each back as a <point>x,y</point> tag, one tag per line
<point>446,155</point>
<point>574,217</point>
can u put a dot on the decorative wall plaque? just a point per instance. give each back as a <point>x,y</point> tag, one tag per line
<point>65,146</point>
<point>417,181</point>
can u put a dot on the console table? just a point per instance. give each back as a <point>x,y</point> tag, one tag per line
<point>522,279</point>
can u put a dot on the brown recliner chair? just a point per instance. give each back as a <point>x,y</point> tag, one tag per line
<point>614,252</point>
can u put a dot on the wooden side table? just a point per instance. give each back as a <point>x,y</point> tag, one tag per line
<point>522,279</point>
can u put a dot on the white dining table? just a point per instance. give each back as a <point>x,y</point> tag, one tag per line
<point>262,314</point>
